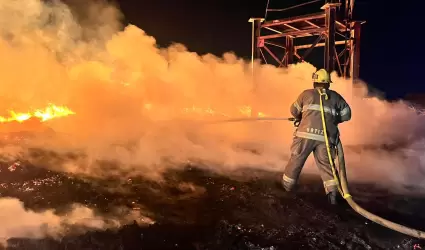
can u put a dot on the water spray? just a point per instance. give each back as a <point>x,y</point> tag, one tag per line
<point>256,119</point>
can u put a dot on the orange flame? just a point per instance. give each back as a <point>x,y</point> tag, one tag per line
<point>50,112</point>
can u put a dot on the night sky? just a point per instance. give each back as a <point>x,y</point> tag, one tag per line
<point>391,60</point>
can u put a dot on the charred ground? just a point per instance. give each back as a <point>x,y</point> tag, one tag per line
<point>197,209</point>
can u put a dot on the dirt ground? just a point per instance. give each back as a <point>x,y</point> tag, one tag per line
<point>196,209</point>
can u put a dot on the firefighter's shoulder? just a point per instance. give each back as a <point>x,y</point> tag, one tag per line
<point>308,92</point>
<point>336,94</point>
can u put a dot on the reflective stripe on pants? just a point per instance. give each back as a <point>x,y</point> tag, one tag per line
<point>312,136</point>
<point>300,150</point>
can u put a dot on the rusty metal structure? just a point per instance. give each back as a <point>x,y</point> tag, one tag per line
<point>340,37</point>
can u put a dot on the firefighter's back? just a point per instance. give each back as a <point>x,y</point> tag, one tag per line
<point>310,126</point>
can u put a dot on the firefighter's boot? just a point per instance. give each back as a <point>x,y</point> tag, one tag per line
<point>332,197</point>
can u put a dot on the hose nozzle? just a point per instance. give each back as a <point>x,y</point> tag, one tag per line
<point>296,122</point>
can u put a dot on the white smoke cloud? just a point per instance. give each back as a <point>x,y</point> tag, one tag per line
<point>30,224</point>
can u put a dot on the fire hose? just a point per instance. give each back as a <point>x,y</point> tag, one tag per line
<point>341,175</point>
<point>343,185</point>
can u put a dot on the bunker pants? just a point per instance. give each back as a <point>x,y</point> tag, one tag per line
<point>300,150</point>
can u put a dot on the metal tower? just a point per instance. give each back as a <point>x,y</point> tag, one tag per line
<point>340,38</point>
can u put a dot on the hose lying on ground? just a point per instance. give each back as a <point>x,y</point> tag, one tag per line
<point>345,193</point>
<point>343,186</point>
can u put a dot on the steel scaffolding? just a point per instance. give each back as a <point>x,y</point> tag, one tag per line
<point>330,33</point>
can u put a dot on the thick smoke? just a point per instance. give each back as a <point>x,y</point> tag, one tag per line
<point>33,224</point>
<point>146,108</point>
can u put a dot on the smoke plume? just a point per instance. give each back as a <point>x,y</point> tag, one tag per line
<point>146,109</point>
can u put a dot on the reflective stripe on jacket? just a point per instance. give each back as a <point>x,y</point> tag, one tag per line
<point>307,109</point>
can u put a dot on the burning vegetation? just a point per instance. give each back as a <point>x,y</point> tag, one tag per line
<point>50,112</point>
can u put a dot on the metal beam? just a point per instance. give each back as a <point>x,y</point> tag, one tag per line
<point>290,50</point>
<point>340,26</point>
<point>347,64</point>
<point>306,46</point>
<point>274,30</point>
<point>264,58</point>
<point>276,45</point>
<point>257,23</point>
<point>350,13</point>
<point>347,15</point>
<point>273,55</point>
<point>255,50</point>
<point>290,26</point>
<point>298,56</point>
<point>330,10</point>
<point>293,19</point>
<point>355,51</point>
<point>312,47</point>
<point>295,33</point>
<point>294,28</point>
<point>339,58</point>
<point>283,61</point>
<point>280,32</point>
<point>312,24</point>
<point>338,62</point>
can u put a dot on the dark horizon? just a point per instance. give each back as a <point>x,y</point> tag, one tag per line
<point>221,26</point>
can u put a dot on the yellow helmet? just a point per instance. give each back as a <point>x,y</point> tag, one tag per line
<point>322,76</point>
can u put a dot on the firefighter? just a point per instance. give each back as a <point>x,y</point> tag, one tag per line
<point>309,135</point>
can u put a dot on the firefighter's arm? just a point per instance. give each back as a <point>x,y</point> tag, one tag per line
<point>344,110</point>
<point>297,107</point>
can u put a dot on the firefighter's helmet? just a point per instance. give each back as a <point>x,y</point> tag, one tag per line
<point>322,76</point>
